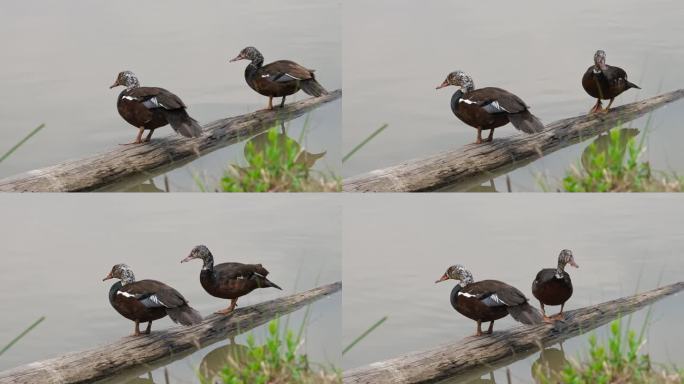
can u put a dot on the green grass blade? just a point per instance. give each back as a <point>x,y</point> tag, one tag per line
<point>363,335</point>
<point>20,143</point>
<point>361,144</point>
<point>27,330</point>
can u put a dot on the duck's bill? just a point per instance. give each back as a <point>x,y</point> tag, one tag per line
<point>572,262</point>
<point>444,84</point>
<point>190,257</point>
<point>236,58</point>
<point>113,85</point>
<point>109,276</point>
<point>444,277</point>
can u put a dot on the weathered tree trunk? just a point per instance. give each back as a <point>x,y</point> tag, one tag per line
<point>469,166</point>
<point>141,162</point>
<point>131,352</point>
<point>471,354</point>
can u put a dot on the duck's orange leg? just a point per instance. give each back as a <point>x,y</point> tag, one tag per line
<point>136,332</point>
<point>609,104</point>
<point>597,107</point>
<point>231,308</point>
<point>479,136</point>
<point>138,139</point>
<point>479,328</point>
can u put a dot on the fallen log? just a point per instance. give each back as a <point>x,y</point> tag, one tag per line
<point>469,166</point>
<point>131,164</point>
<point>130,352</point>
<point>469,355</point>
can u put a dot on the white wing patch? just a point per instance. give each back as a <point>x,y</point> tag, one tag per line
<point>130,98</point>
<point>466,294</point>
<point>266,75</point>
<point>462,100</point>
<point>126,294</point>
<point>153,301</point>
<point>496,105</point>
<point>493,301</point>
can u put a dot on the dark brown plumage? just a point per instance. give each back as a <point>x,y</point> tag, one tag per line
<point>147,300</point>
<point>278,79</point>
<point>604,82</point>
<point>229,280</point>
<point>488,300</point>
<point>553,286</point>
<point>148,108</point>
<point>488,108</point>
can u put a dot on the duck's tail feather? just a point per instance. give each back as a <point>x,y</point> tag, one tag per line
<point>269,283</point>
<point>182,123</point>
<point>526,314</point>
<point>632,85</point>
<point>526,122</point>
<point>185,315</point>
<point>313,88</point>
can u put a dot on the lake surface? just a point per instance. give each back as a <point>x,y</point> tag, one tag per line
<point>395,247</point>
<point>536,49</point>
<point>63,55</point>
<point>55,269</point>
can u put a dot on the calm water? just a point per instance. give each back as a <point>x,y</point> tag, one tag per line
<point>536,49</point>
<point>395,247</point>
<point>63,55</point>
<point>79,239</point>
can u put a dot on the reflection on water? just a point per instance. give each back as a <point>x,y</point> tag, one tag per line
<point>284,143</point>
<point>601,145</point>
<point>550,363</point>
<point>140,380</point>
<point>215,360</point>
<point>489,380</point>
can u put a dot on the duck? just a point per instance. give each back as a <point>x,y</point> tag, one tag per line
<point>147,300</point>
<point>488,108</point>
<point>278,79</point>
<point>148,108</point>
<point>553,286</point>
<point>605,82</point>
<point>488,300</point>
<point>229,280</point>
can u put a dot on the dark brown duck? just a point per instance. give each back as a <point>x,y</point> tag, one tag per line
<point>229,280</point>
<point>145,301</point>
<point>148,108</point>
<point>604,82</point>
<point>278,79</point>
<point>553,286</point>
<point>488,108</point>
<point>488,300</point>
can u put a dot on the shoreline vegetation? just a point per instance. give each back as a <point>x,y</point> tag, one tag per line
<point>618,360</point>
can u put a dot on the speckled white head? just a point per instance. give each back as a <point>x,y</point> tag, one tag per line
<point>122,272</point>
<point>127,79</point>
<point>459,79</point>
<point>600,59</point>
<point>250,53</point>
<point>201,252</point>
<point>564,258</point>
<point>457,272</point>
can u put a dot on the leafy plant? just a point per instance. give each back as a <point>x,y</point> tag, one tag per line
<point>275,361</point>
<point>279,164</point>
<point>619,361</point>
<point>612,164</point>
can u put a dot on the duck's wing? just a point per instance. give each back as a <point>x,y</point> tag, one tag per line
<point>544,275</point>
<point>154,97</point>
<point>495,293</point>
<point>237,271</point>
<point>153,294</point>
<point>495,100</point>
<point>285,71</point>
